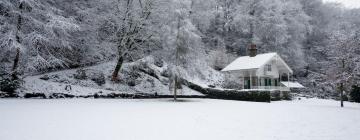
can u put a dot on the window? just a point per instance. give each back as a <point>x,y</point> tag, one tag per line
<point>268,67</point>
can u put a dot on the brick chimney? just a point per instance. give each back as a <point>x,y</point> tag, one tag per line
<point>252,50</point>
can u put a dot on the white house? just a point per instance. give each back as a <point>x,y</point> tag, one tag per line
<point>262,71</point>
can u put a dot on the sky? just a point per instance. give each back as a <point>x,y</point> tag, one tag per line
<point>347,3</point>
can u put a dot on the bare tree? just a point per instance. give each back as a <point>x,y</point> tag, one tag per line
<point>18,41</point>
<point>132,32</point>
<point>343,58</point>
<point>177,57</point>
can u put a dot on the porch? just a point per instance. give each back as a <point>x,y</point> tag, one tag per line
<point>266,83</point>
<point>280,88</point>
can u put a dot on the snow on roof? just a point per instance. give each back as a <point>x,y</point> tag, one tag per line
<point>247,62</point>
<point>292,84</point>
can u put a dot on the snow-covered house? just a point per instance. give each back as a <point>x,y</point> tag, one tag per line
<point>262,71</point>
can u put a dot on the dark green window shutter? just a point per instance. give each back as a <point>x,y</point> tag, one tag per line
<point>266,82</point>
<point>269,82</point>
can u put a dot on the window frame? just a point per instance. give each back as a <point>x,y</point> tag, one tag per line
<point>268,67</point>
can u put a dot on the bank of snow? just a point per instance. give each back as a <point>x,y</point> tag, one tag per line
<point>147,76</point>
<point>192,119</point>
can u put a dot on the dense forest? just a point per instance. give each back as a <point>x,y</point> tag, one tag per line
<point>194,38</point>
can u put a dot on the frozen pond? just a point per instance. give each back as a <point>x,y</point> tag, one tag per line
<point>162,119</point>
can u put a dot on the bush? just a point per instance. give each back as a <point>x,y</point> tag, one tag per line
<point>98,77</point>
<point>345,98</point>
<point>7,84</point>
<point>286,96</point>
<point>165,73</point>
<point>95,75</point>
<point>355,94</point>
<point>45,77</point>
<point>35,95</point>
<point>60,95</point>
<point>80,74</point>
<point>257,96</point>
<point>275,96</point>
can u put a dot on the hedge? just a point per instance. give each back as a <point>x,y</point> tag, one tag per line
<point>257,96</point>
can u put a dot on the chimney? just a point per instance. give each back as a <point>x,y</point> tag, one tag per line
<point>252,50</point>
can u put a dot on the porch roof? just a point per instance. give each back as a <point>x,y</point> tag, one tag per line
<point>292,84</point>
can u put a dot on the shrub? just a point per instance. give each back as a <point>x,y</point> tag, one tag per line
<point>165,73</point>
<point>80,74</point>
<point>275,96</point>
<point>35,95</point>
<point>355,94</point>
<point>345,98</point>
<point>7,84</point>
<point>45,77</point>
<point>98,77</point>
<point>286,96</point>
<point>60,95</point>
<point>257,96</point>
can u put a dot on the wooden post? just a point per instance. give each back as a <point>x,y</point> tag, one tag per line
<point>279,77</point>
<point>250,81</point>
<point>175,87</point>
<point>288,79</point>
<point>244,81</point>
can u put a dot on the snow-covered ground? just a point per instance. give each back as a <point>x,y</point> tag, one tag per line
<point>56,82</point>
<point>195,119</point>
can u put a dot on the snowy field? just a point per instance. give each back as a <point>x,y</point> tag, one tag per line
<point>192,119</point>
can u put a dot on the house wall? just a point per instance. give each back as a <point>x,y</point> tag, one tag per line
<point>254,81</point>
<point>274,81</point>
<point>278,67</point>
<point>262,74</point>
<point>274,73</point>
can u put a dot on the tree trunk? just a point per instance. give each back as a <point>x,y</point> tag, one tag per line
<point>342,87</point>
<point>19,23</point>
<point>117,69</point>
<point>177,57</point>
<point>16,63</point>
<point>18,27</point>
<point>341,95</point>
<point>17,36</point>
<point>175,87</point>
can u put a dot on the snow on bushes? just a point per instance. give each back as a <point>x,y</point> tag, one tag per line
<point>355,94</point>
<point>7,84</point>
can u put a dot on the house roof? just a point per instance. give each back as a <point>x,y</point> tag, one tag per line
<point>256,62</point>
<point>292,84</point>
